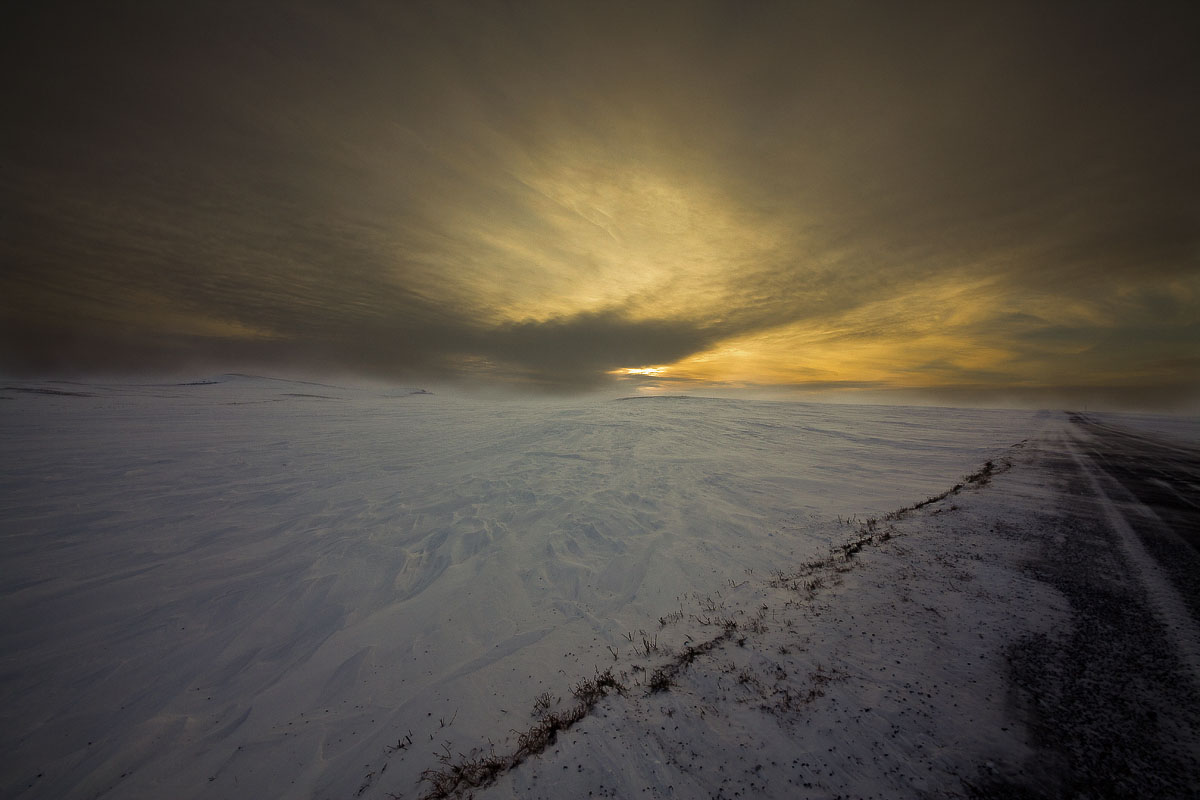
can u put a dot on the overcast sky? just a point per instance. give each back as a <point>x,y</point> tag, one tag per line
<point>954,201</point>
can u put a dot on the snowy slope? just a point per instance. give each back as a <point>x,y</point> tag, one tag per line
<point>246,587</point>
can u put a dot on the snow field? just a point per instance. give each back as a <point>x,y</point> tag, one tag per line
<point>256,587</point>
<point>873,675</point>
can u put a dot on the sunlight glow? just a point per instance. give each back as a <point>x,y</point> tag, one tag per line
<point>652,371</point>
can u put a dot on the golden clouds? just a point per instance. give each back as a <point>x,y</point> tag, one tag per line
<point>578,226</point>
<point>952,333</point>
<point>936,335</point>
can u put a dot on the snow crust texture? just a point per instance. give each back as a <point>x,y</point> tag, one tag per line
<point>246,587</point>
<point>996,643</point>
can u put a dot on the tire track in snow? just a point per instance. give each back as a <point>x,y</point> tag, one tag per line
<point>1168,604</point>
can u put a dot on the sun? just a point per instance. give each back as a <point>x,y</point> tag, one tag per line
<point>652,371</point>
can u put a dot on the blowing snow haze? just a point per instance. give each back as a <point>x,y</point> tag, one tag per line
<point>958,201</point>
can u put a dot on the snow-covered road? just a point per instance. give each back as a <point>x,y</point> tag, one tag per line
<point>1150,489</point>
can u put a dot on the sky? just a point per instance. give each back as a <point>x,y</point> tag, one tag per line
<point>956,203</point>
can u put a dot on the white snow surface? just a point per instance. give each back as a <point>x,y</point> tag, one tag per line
<point>252,587</point>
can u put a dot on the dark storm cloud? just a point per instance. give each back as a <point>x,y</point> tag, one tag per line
<point>583,347</point>
<point>458,190</point>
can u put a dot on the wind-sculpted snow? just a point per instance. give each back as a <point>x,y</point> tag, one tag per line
<point>243,587</point>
